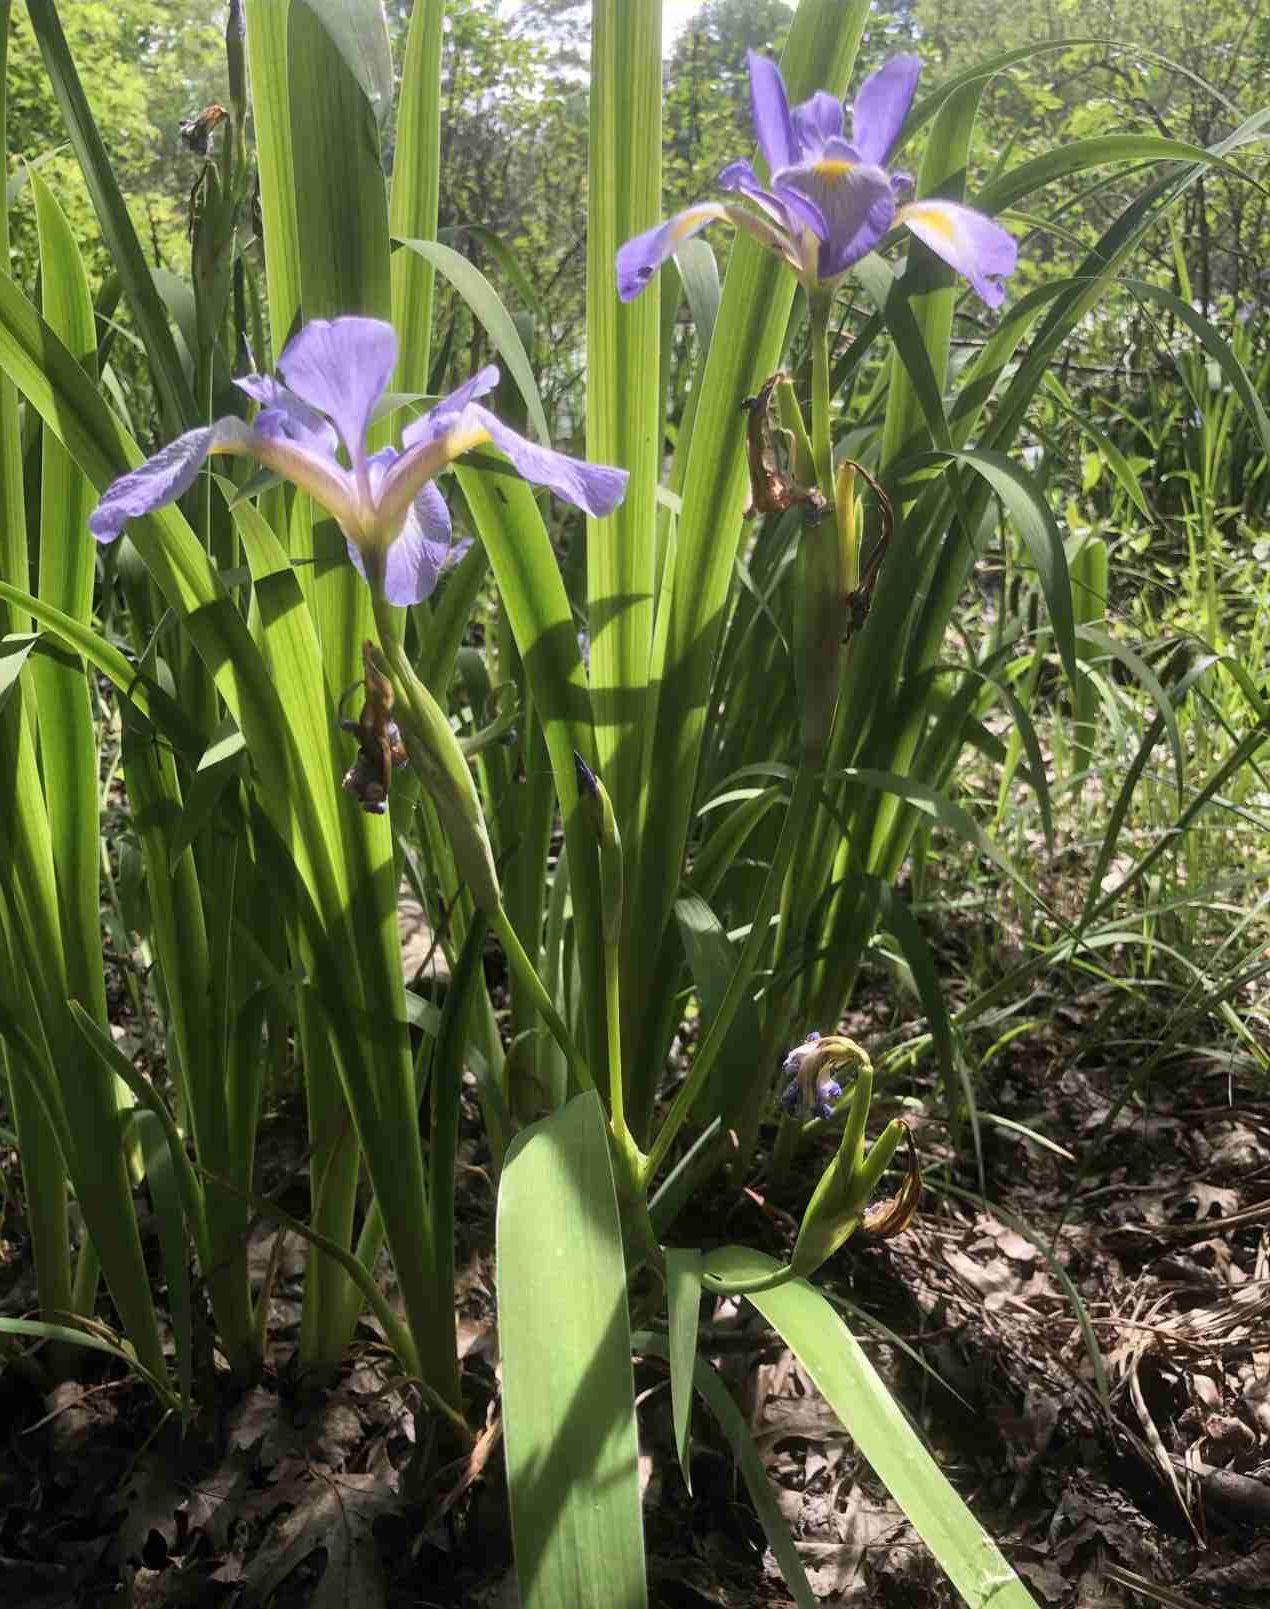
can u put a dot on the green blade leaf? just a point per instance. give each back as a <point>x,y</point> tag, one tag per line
<point>712,960</point>
<point>699,270</point>
<point>177,400</point>
<point>1027,507</point>
<point>447,1084</point>
<point>359,31</point>
<point>487,306</point>
<point>731,1422</point>
<point>14,652</point>
<point>623,383</point>
<point>37,1330</point>
<point>1077,156</point>
<point>568,1389</point>
<point>166,1198</point>
<point>271,115</point>
<point>68,738</point>
<point>415,192</point>
<point>853,1389</point>
<point>683,1296</point>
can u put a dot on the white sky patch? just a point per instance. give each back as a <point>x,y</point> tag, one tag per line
<point>674,13</point>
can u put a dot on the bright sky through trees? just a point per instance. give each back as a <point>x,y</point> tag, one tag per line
<point>674,14</point>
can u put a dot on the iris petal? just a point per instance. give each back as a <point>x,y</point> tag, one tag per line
<point>597,488</point>
<point>424,548</point>
<point>857,204</point>
<point>788,210</point>
<point>436,421</point>
<point>166,476</point>
<point>973,244</point>
<point>445,434</point>
<point>817,121</point>
<point>882,105</point>
<point>342,367</point>
<point>640,258</point>
<point>769,107</point>
<point>285,414</point>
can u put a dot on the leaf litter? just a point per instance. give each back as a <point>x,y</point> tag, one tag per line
<point>283,1497</point>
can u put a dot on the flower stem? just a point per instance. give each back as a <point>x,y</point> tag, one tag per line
<point>818,306</point>
<point>442,767</point>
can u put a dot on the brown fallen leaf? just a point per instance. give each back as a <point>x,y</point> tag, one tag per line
<point>333,1512</point>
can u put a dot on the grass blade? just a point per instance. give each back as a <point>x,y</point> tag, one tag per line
<point>683,1295</point>
<point>175,396</point>
<point>731,1422</point>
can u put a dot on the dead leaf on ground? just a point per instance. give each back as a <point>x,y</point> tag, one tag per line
<point>334,1513</point>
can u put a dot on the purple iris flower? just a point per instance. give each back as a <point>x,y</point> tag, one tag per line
<point>393,517</point>
<point>808,1091</point>
<point>829,200</point>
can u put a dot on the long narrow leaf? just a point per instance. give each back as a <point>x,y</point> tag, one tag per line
<point>853,1389</point>
<point>116,226</point>
<point>568,1389</point>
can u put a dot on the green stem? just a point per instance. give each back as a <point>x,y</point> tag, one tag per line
<point>818,306</point>
<point>525,973</point>
<point>435,754</point>
<point>745,1287</point>
<point>801,805</point>
<point>612,1001</point>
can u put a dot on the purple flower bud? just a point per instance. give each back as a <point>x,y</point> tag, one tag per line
<point>828,1094</point>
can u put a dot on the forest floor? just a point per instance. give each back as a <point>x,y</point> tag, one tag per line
<point>1085,1345</point>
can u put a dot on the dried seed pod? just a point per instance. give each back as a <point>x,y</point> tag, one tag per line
<point>380,750</point>
<point>891,1216</point>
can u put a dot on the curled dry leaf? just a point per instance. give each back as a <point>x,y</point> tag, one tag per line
<point>891,1217</point>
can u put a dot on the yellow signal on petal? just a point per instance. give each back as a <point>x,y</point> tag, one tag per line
<point>931,217</point>
<point>458,442</point>
<point>684,225</point>
<point>831,170</point>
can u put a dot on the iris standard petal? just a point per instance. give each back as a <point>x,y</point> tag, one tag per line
<point>769,107</point>
<point>597,488</point>
<point>165,477</point>
<point>640,258</point>
<point>284,414</point>
<point>857,204</point>
<point>789,210</point>
<point>816,121</point>
<point>973,244</point>
<point>436,421</point>
<point>342,367</point>
<point>882,105</point>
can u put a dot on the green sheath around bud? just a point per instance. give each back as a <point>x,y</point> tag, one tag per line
<point>597,812</point>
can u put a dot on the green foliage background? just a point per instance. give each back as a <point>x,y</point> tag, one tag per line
<point>514,121</point>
